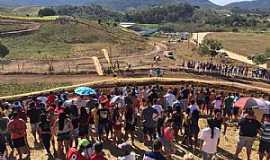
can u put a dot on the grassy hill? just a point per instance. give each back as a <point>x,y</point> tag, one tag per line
<point>114,4</point>
<point>27,10</point>
<point>255,4</point>
<point>69,40</point>
<point>246,44</point>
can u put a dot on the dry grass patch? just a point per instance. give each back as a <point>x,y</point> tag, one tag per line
<point>246,44</point>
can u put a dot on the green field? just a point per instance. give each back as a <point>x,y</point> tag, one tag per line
<point>62,40</point>
<point>30,18</point>
<point>4,28</point>
<point>14,88</point>
<point>246,44</point>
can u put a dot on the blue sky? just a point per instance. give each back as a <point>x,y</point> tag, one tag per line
<point>223,2</point>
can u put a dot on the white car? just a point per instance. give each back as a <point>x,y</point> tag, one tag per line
<point>169,54</point>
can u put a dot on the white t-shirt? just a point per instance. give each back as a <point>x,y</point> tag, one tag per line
<point>158,108</point>
<point>169,98</point>
<point>209,144</point>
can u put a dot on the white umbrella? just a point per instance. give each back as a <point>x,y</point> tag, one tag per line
<point>118,100</point>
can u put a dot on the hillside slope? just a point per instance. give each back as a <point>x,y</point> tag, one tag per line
<point>256,4</point>
<point>114,4</point>
<point>69,40</point>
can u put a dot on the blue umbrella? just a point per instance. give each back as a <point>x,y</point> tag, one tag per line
<point>85,91</point>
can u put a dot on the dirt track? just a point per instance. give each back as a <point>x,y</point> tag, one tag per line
<point>110,82</point>
<point>32,26</point>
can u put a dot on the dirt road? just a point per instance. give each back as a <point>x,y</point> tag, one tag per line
<point>199,37</point>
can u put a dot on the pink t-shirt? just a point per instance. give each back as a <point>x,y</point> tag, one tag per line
<point>168,134</point>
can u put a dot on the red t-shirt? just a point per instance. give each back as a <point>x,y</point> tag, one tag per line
<point>51,99</point>
<point>73,154</point>
<point>168,134</point>
<point>17,128</point>
<point>98,157</point>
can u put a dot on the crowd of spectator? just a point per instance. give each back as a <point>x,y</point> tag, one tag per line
<point>76,127</point>
<point>228,69</point>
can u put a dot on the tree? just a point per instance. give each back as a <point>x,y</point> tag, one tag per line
<point>210,47</point>
<point>261,58</point>
<point>46,12</point>
<point>4,51</point>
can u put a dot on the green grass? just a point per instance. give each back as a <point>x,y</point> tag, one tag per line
<point>4,28</point>
<point>14,88</point>
<point>52,40</point>
<point>59,41</point>
<point>49,41</point>
<point>33,18</point>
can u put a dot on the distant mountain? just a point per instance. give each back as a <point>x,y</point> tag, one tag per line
<point>256,4</point>
<point>113,4</point>
<point>129,4</point>
<point>43,2</point>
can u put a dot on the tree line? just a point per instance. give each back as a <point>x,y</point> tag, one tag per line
<point>171,18</point>
<point>162,14</point>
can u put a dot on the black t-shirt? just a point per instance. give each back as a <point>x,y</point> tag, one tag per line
<point>34,115</point>
<point>130,116</point>
<point>249,127</point>
<point>185,93</point>
<point>103,115</point>
<point>177,118</point>
<point>218,123</point>
<point>75,122</point>
<point>45,126</point>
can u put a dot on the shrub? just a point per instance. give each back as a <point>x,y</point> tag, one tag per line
<point>4,51</point>
<point>235,30</point>
<point>46,12</point>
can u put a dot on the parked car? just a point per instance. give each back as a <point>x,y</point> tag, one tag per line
<point>169,54</point>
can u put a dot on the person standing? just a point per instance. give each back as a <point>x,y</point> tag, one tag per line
<point>193,106</point>
<point>45,134</point>
<point>169,99</point>
<point>63,129</point>
<point>228,106</point>
<point>249,128</point>
<point>209,136</point>
<point>217,104</point>
<point>264,147</point>
<point>149,115</point>
<point>103,114</point>
<point>4,135</point>
<point>33,112</point>
<point>83,124</point>
<point>177,120</point>
<point>17,129</point>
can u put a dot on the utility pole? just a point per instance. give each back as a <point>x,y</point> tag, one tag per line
<point>197,38</point>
